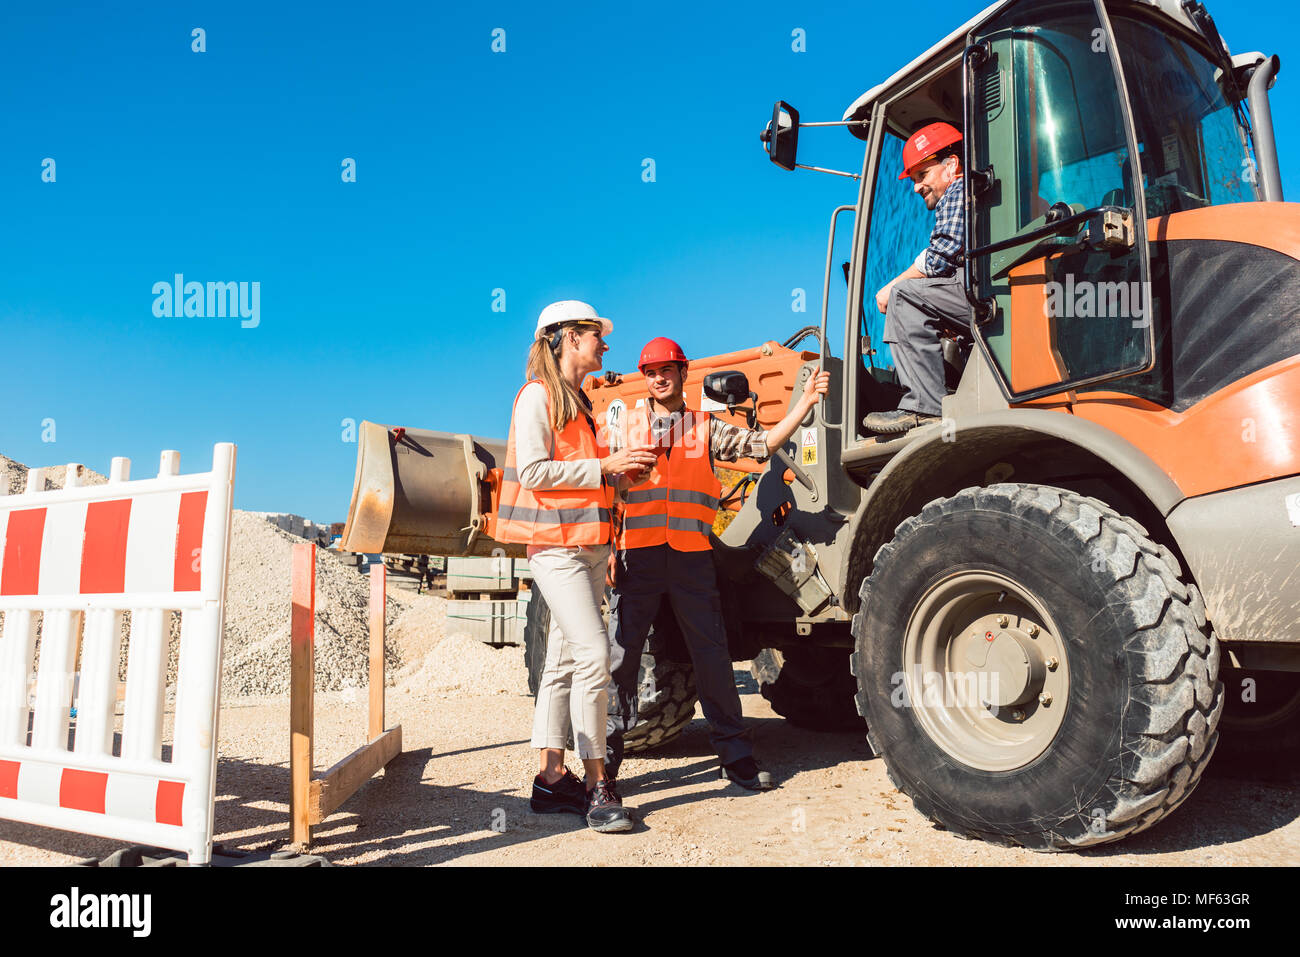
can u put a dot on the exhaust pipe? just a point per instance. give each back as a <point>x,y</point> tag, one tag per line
<point>418,492</point>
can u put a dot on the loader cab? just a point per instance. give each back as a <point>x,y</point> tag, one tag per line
<point>1084,123</point>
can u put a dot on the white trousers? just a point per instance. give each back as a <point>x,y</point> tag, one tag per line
<point>573,690</point>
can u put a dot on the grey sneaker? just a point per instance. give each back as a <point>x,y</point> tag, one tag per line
<point>605,811</point>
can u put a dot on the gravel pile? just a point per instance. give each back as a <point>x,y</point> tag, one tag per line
<point>419,654</point>
<point>53,476</point>
<point>258,613</point>
<point>419,629</point>
<point>258,608</point>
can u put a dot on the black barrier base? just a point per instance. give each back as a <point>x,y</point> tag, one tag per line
<point>139,855</point>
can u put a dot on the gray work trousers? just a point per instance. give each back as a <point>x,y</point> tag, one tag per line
<point>645,577</point>
<point>918,310</point>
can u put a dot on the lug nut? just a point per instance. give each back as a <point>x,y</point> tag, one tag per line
<point>1017,715</point>
<point>1052,663</point>
<point>1045,699</point>
<point>1033,631</point>
<point>1003,621</point>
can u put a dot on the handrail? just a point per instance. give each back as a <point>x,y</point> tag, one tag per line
<point>823,355</point>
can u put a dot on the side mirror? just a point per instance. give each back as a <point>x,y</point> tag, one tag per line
<point>729,388</point>
<point>782,135</point>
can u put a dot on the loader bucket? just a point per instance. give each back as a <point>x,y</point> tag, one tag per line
<point>423,493</point>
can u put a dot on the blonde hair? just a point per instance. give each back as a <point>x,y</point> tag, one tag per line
<point>544,364</point>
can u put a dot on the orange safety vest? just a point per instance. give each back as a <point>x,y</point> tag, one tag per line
<point>555,516</point>
<point>677,503</point>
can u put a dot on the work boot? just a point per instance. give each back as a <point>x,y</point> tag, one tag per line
<point>746,773</point>
<point>565,796</point>
<point>605,811</point>
<point>896,422</point>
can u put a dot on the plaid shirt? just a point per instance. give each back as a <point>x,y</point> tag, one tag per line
<point>727,442</point>
<point>730,442</point>
<point>944,256</point>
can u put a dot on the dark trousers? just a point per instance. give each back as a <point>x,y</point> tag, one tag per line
<point>646,577</point>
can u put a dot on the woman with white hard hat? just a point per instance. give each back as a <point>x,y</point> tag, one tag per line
<point>556,495</point>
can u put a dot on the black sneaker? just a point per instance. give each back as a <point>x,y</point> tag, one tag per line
<point>605,811</point>
<point>746,773</point>
<point>565,796</point>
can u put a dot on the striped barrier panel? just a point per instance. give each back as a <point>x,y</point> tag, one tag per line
<point>77,558</point>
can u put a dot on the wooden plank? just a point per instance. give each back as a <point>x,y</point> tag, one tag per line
<point>378,600</point>
<point>302,676</point>
<point>342,781</point>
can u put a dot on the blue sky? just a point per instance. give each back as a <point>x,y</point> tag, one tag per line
<point>476,171</point>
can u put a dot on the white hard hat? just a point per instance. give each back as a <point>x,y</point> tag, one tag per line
<point>570,310</point>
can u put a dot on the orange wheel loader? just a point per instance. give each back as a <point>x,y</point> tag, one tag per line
<point>1052,604</point>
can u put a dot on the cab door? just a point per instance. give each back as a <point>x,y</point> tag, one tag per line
<point>1057,265</point>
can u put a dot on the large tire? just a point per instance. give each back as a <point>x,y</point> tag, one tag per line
<point>537,624</point>
<point>1259,736</point>
<point>810,687</point>
<point>1105,626</point>
<point>666,688</point>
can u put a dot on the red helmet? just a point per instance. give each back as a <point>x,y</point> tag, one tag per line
<point>660,350</point>
<point>925,142</point>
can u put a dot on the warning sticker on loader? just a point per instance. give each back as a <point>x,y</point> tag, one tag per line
<point>808,447</point>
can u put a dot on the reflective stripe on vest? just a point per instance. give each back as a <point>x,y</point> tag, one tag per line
<point>678,501</point>
<point>554,517</point>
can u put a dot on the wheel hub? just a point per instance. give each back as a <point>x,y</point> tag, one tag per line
<point>986,670</point>
<point>1009,665</point>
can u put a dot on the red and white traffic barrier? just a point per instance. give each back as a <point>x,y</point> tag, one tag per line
<point>79,557</point>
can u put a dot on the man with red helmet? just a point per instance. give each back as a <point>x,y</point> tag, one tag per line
<point>927,296</point>
<point>664,550</point>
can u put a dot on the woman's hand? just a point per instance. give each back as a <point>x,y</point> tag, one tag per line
<point>627,460</point>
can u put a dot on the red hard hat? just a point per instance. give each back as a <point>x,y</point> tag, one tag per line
<point>925,142</point>
<point>660,350</point>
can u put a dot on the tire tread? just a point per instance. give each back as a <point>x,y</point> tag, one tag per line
<point>1170,723</point>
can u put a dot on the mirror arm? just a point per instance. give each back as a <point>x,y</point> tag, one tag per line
<point>833,172</point>
<point>751,413</point>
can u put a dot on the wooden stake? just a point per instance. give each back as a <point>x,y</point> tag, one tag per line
<point>302,679</point>
<point>378,579</point>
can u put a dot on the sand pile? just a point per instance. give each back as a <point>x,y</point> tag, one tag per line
<point>466,666</point>
<point>442,663</point>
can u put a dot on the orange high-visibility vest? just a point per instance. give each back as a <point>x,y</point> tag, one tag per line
<point>677,503</point>
<point>554,516</point>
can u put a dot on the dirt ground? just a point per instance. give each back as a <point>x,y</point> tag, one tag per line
<point>459,795</point>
